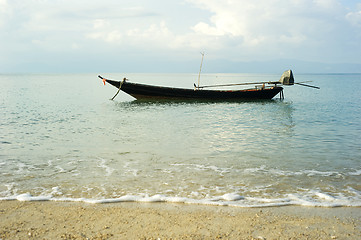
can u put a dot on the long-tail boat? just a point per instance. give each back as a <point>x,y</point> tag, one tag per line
<point>267,90</point>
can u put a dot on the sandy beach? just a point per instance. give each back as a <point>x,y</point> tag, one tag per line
<point>67,220</point>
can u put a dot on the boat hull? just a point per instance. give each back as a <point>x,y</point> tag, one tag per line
<point>142,91</point>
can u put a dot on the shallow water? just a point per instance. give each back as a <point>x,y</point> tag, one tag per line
<point>63,139</point>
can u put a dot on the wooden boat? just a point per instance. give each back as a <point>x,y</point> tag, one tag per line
<point>142,91</point>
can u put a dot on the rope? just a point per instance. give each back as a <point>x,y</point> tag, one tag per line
<point>120,86</point>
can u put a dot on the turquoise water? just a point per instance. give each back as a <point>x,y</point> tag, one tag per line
<point>62,139</point>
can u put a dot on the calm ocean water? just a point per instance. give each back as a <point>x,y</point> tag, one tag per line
<point>62,139</point>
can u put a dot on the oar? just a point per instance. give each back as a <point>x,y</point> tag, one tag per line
<point>306,85</point>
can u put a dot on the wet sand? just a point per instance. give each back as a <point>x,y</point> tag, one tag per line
<point>69,220</point>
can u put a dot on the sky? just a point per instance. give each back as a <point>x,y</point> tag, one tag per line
<point>82,36</point>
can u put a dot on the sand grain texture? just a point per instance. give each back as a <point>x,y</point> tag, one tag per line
<point>65,220</point>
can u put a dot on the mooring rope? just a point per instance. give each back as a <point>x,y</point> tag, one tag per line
<point>120,86</point>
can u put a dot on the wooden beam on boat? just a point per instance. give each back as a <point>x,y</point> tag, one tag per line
<point>237,84</point>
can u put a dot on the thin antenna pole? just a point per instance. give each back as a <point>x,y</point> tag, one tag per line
<point>200,69</point>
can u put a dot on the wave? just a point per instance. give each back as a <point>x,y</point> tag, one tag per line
<point>306,172</point>
<point>309,199</point>
<point>356,172</point>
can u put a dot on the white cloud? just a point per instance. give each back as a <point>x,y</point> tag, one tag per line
<point>232,29</point>
<point>205,29</point>
<point>328,5</point>
<point>261,21</point>
<point>265,29</point>
<point>100,23</point>
<point>253,22</point>
<point>5,11</point>
<point>3,5</point>
<point>354,18</point>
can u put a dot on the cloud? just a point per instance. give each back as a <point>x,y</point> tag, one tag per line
<point>237,30</point>
<point>354,17</point>
<point>205,29</point>
<point>261,21</point>
<point>307,29</point>
<point>5,12</point>
<point>3,5</point>
<point>256,23</point>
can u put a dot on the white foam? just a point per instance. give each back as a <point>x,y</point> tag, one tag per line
<point>133,171</point>
<point>26,197</point>
<point>126,198</point>
<point>10,189</point>
<point>356,173</point>
<point>255,170</point>
<point>324,196</point>
<point>177,199</point>
<point>60,169</point>
<point>232,197</point>
<point>308,173</point>
<point>155,198</point>
<point>319,173</point>
<point>50,163</point>
<point>200,167</point>
<point>269,200</point>
<point>353,191</point>
<point>324,200</point>
<point>21,169</point>
<point>56,191</point>
<point>108,170</point>
<point>308,198</point>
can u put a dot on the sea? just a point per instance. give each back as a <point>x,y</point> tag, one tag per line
<point>63,139</point>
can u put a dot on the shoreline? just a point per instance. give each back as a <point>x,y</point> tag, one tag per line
<point>129,220</point>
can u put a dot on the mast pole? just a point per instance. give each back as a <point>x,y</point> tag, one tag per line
<point>200,69</point>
